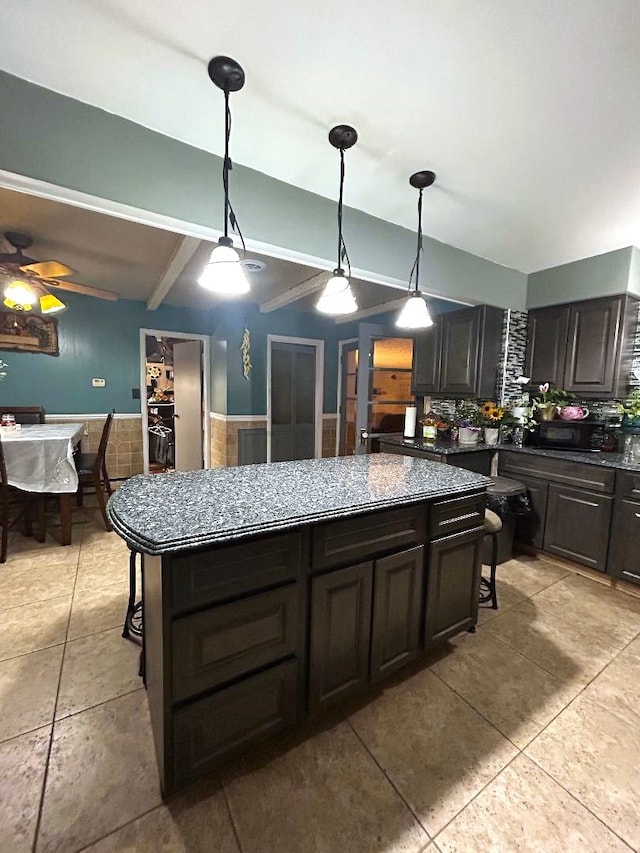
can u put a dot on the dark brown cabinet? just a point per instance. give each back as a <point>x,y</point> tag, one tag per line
<point>577,525</point>
<point>624,555</point>
<point>340,635</point>
<point>585,347</point>
<point>460,357</point>
<point>453,583</point>
<point>546,345</point>
<point>397,605</point>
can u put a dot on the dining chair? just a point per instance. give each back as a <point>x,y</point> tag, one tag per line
<point>24,414</point>
<point>92,472</point>
<point>14,505</point>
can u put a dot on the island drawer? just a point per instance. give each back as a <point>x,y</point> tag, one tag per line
<point>457,514</point>
<point>594,478</point>
<point>628,485</point>
<point>210,729</point>
<point>205,577</point>
<point>222,643</point>
<point>351,540</point>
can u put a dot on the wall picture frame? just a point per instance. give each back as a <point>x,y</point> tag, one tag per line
<point>25,332</point>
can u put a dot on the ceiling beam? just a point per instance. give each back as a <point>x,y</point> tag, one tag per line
<point>305,288</point>
<point>183,252</point>
<point>381,308</point>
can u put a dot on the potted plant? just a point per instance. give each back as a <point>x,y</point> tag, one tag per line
<point>467,418</point>
<point>631,411</point>
<point>549,400</point>
<point>491,417</point>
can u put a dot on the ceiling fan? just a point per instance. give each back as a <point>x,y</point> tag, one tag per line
<point>28,280</point>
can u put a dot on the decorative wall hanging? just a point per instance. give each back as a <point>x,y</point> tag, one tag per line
<point>245,348</point>
<point>28,333</point>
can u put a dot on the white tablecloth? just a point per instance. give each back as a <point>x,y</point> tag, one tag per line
<point>39,457</point>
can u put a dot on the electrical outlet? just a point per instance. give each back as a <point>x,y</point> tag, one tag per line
<point>98,383</point>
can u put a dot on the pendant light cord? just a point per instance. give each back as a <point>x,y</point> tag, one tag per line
<point>342,248</point>
<point>416,264</point>
<point>227,165</point>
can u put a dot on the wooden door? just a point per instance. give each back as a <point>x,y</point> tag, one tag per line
<point>348,398</point>
<point>578,525</point>
<point>340,635</point>
<point>595,331</point>
<point>426,361</point>
<point>460,348</point>
<point>453,584</point>
<point>546,346</point>
<point>397,605</point>
<point>293,396</point>
<point>187,395</point>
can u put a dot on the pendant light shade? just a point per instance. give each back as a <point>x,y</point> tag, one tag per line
<point>19,293</point>
<point>337,297</point>
<point>50,304</point>
<point>415,312</point>
<point>224,273</point>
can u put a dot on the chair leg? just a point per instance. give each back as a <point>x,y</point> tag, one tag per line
<point>105,477</point>
<point>494,562</point>
<point>102,502</point>
<point>132,593</point>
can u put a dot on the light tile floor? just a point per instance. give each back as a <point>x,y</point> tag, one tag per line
<point>524,736</point>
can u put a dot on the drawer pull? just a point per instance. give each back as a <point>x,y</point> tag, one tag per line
<point>586,503</point>
<point>631,575</point>
<point>638,515</point>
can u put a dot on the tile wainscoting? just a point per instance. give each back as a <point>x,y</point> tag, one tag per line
<point>224,436</point>
<point>124,451</point>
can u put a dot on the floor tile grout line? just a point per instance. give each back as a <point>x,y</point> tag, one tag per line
<point>118,828</point>
<point>577,800</point>
<point>388,778</point>
<point>97,705</point>
<point>32,652</point>
<point>235,829</point>
<point>53,721</point>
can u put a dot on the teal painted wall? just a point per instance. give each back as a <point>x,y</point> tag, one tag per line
<point>97,339</point>
<point>601,275</point>
<point>56,139</point>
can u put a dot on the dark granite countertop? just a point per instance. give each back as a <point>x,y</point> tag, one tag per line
<point>608,460</point>
<point>442,447</point>
<point>165,513</point>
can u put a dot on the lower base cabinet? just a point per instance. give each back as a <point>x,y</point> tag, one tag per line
<point>365,624</point>
<point>453,585</point>
<point>624,554</point>
<point>578,525</point>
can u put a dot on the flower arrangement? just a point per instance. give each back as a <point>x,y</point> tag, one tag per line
<point>491,415</point>
<point>552,396</point>
<point>467,415</point>
<point>631,406</point>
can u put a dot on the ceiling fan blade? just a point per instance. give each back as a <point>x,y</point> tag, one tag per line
<point>47,269</point>
<point>85,289</point>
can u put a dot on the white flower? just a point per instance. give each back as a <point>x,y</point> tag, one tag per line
<point>544,388</point>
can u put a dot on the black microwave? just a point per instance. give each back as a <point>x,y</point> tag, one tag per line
<point>568,435</point>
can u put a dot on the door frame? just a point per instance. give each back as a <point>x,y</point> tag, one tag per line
<point>319,398</point>
<point>341,345</point>
<point>206,367</point>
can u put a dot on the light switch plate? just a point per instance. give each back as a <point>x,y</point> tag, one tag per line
<point>98,383</point>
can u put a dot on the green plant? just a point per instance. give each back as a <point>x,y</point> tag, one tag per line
<point>557,396</point>
<point>631,406</point>
<point>467,414</point>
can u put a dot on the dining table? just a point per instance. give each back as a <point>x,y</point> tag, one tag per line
<point>39,458</point>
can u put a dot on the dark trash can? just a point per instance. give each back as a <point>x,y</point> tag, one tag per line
<point>508,498</point>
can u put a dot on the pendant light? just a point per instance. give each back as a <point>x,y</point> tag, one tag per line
<point>224,273</point>
<point>337,296</point>
<point>415,313</point>
<point>21,296</point>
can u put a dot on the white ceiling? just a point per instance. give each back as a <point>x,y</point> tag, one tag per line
<point>528,110</point>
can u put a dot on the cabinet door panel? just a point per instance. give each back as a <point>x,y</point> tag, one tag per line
<point>453,585</point>
<point>594,332</point>
<point>460,343</point>
<point>546,345</point>
<point>578,526</point>
<point>624,555</point>
<point>426,361</point>
<point>397,602</point>
<point>340,635</point>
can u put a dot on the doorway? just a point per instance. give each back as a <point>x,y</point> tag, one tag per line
<point>295,379</point>
<point>348,397</point>
<point>174,398</point>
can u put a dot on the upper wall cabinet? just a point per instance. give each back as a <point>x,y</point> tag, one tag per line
<point>459,356</point>
<point>584,347</point>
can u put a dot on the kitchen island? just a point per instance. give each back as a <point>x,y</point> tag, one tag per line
<point>273,592</point>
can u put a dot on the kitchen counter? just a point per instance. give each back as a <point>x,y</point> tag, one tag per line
<point>164,513</point>
<point>273,593</point>
<point>440,447</point>
<point>607,460</point>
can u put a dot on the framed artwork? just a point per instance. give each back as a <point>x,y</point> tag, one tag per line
<point>26,332</point>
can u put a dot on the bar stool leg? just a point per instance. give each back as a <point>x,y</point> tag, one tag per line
<point>494,563</point>
<point>132,594</point>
